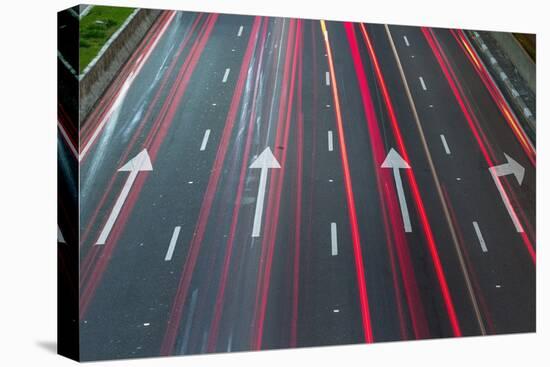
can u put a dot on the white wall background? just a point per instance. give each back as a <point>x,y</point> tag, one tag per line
<point>28,182</point>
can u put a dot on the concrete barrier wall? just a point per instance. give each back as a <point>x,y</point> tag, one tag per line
<point>102,70</point>
<point>518,56</point>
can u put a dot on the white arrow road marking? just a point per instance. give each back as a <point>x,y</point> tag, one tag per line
<point>333,239</point>
<point>60,238</point>
<point>205,139</point>
<point>480,237</point>
<point>265,161</point>
<point>225,75</point>
<point>172,245</point>
<point>330,141</point>
<point>510,168</point>
<point>140,162</point>
<point>395,161</point>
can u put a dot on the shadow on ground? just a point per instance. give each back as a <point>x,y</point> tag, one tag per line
<point>48,345</point>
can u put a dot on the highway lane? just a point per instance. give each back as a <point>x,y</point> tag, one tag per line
<point>181,271</point>
<point>505,273</point>
<point>422,299</point>
<point>177,194</point>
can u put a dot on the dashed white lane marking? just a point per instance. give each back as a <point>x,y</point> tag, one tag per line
<point>406,41</point>
<point>327,78</point>
<point>240,31</point>
<point>336,310</point>
<point>225,75</point>
<point>205,139</point>
<point>445,145</point>
<point>330,141</point>
<point>333,239</point>
<point>422,83</point>
<point>480,237</point>
<point>172,245</point>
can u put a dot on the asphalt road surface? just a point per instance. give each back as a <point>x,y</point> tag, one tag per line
<point>255,183</point>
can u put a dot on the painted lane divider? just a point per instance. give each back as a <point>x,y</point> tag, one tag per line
<point>205,139</point>
<point>510,168</point>
<point>172,245</point>
<point>140,162</point>
<point>330,141</point>
<point>264,162</point>
<point>445,145</point>
<point>327,78</point>
<point>240,31</point>
<point>422,83</point>
<point>396,162</point>
<point>480,237</point>
<point>333,239</point>
<point>406,41</point>
<point>225,75</point>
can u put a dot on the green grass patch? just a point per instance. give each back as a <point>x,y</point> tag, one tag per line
<point>96,28</point>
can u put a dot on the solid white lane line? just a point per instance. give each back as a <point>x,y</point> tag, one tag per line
<point>333,239</point>
<point>480,237</point>
<point>205,139</point>
<point>330,141</point>
<point>422,83</point>
<point>172,246</point>
<point>327,78</point>
<point>406,41</point>
<point>240,31</point>
<point>445,145</point>
<point>225,75</point>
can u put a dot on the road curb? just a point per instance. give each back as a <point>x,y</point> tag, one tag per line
<point>102,70</point>
<point>524,114</point>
